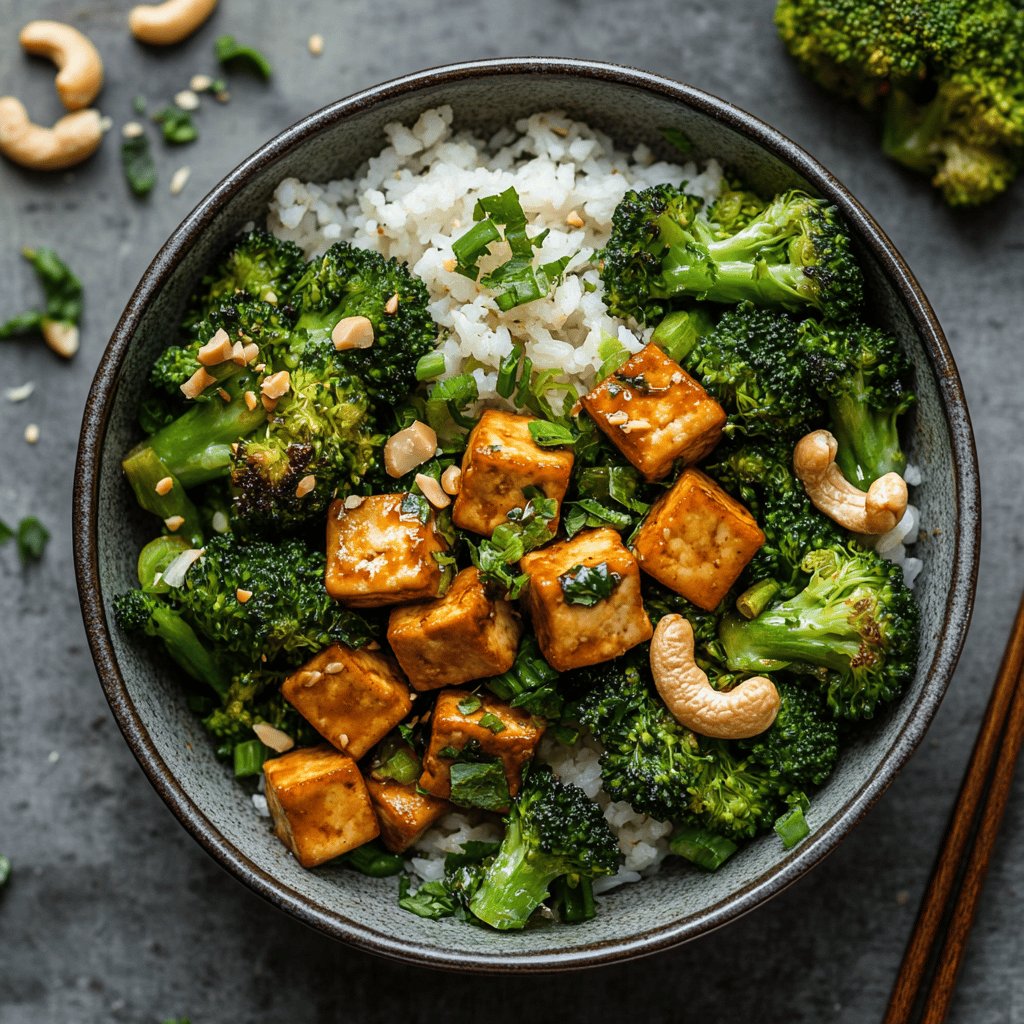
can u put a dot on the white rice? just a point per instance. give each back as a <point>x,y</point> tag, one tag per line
<point>412,201</point>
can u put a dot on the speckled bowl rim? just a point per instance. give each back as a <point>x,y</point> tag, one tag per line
<point>961,585</point>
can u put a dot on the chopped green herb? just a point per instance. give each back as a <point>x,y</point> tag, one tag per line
<point>613,354</point>
<point>530,682</point>
<point>6,533</point>
<point>230,51</point>
<point>177,125</point>
<point>5,870</point>
<point>792,827</point>
<point>395,759</point>
<point>551,435</point>
<point>32,538</point>
<point>593,514</point>
<point>138,165</point>
<point>479,784</point>
<point>637,383</point>
<point>679,332</point>
<point>527,528</point>
<point>139,104</point>
<point>506,383</point>
<point>448,400</point>
<point>587,584</point>
<point>703,848</point>
<point>472,246</point>
<point>677,138</point>
<point>449,753</point>
<point>62,292</point>
<point>248,757</point>
<point>430,366</point>
<point>492,722</point>
<point>469,704</point>
<point>415,505</point>
<point>373,860</point>
<point>431,900</point>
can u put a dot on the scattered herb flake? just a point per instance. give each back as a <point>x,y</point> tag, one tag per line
<point>61,289</point>
<point>480,785</point>
<point>177,125</point>
<point>587,584</point>
<point>415,505</point>
<point>5,870</point>
<point>230,51</point>
<point>431,900</point>
<point>138,165</point>
<point>551,435</point>
<point>492,722</point>
<point>469,704</point>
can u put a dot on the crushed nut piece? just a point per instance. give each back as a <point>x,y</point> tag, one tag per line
<point>451,480</point>
<point>352,332</point>
<point>391,306</point>
<point>628,428</point>
<point>131,130</point>
<point>409,448</point>
<point>243,595</point>
<point>250,400</point>
<point>277,385</point>
<point>179,180</point>
<point>432,491</point>
<point>271,736</point>
<point>197,383</point>
<point>305,485</point>
<point>224,394</point>
<point>174,523</point>
<point>270,404</point>
<point>200,83</point>
<point>316,44</point>
<point>32,433</point>
<point>164,485</point>
<point>217,350</point>
<point>186,100</point>
<point>617,418</point>
<point>574,220</point>
<point>354,501</point>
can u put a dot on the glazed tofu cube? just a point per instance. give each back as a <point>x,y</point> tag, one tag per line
<point>501,460</point>
<point>513,738</point>
<point>654,412</point>
<point>403,812</point>
<point>697,540</point>
<point>319,804</point>
<point>353,698</point>
<point>462,636</point>
<point>381,552</point>
<point>571,635</point>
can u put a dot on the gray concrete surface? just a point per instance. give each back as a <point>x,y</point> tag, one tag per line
<point>113,913</point>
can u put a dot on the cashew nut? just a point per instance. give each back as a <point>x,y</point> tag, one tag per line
<point>169,22</point>
<point>73,138</point>
<point>745,710</point>
<point>79,65</point>
<point>875,511</point>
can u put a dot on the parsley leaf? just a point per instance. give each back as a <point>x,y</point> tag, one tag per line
<point>230,51</point>
<point>587,584</point>
<point>177,125</point>
<point>431,900</point>
<point>492,722</point>
<point>61,289</point>
<point>30,537</point>
<point>138,166</point>
<point>527,528</point>
<point>469,704</point>
<point>480,785</point>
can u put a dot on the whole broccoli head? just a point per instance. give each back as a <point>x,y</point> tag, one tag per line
<point>854,626</point>
<point>349,281</point>
<point>794,254</point>
<point>288,615</point>
<point>258,265</point>
<point>321,429</point>
<point>862,372</point>
<point>753,362</point>
<point>946,77</point>
<point>553,829</point>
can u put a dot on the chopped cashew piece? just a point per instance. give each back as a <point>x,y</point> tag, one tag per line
<point>272,737</point>
<point>164,485</point>
<point>451,480</point>
<point>432,491</point>
<point>745,710</point>
<point>875,511</point>
<point>391,306</point>
<point>61,337</point>
<point>197,383</point>
<point>409,448</point>
<point>70,141</point>
<point>217,350</point>
<point>352,332</point>
<point>305,485</point>
<point>277,385</point>
<point>174,523</point>
<point>79,65</point>
<point>170,22</point>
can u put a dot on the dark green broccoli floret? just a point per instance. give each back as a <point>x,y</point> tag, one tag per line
<point>663,769</point>
<point>348,281</point>
<point>753,362</point>
<point>141,612</point>
<point>320,429</point>
<point>862,372</point>
<point>854,626</point>
<point>289,614</point>
<point>794,254</point>
<point>258,265</point>
<point>733,209</point>
<point>946,78</point>
<point>802,745</point>
<point>531,683</point>
<point>553,829</point>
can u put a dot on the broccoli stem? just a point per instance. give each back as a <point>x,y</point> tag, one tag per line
<point>677,334</point>
<point>144,469</point>
<point>575,897</point>
<point>733,282</point>
<point>196,447</point>
<point>869,441</point>
<point>186,648</point>
<point>515,885</point>
<point>910,130</point>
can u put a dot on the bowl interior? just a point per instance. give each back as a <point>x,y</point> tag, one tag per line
<point>677,903</point>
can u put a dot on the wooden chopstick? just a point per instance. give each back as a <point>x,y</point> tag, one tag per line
<point>970,838</point>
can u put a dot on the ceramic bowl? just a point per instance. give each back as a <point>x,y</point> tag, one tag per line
<point>677,904</point>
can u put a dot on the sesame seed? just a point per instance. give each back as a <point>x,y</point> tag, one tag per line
<point>617,418</point>
<point>179,180</point>
<point>174,523</point>
<point>32,433</point>
<point>243,595</point>
<point>310,678</point>
<point>131,130</point>
<point>334,667</point>
<point>200,83</point>
<point>316,44</point>
<point>186,100</point>
<point>354,501</point>
<point>343,739</point>
<point>106,123</point>
<point>164,485</point>
<point>21,392</point>
<point>225,397</point>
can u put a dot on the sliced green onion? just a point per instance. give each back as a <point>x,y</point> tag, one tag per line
<point>756,598</point>
<point>703,848</point>
<point>678,332</point>
<point>550,435</point>
<point>792,827</point>
<point>249,756</point>
<point>372,859</point>
<point>507,373</point>
<point>430,366</point>
<point>470,247</point>
<point>574,898</point>
<point>613,354</point>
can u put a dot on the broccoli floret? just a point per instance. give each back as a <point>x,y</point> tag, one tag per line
<point>733,209</point>
<point>141,612</point>
<point>794,254</point>
<point>258,265</point>
<point>254,697</point>
<point>320,429</point>
<point>752,361</point>
<point>289,614</point>
<point>946,78</point>
<point>862,372</point>
<point>552,829</point>
<point>802,745</point>
<point>348,281</point>
<point>663,769</point>
<point>854,626</point>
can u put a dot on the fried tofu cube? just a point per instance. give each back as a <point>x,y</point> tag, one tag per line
<point>455,639</point>
<point>697,540</point>
<point>654,412</point>
<point>513,738</point>
<point>403,812</point>
<point>381,552</point>
<point>572,635</point>
<point>319,804</point>
<point>500,461</point>
<point>353,698</point>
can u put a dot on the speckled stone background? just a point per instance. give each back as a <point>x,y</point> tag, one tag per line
<point>113,913</point>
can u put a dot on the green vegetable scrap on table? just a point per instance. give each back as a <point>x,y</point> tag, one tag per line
<point>62,292</point>
<point>230,51</point>
<point>946,81</point>
<point>30,538</point>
